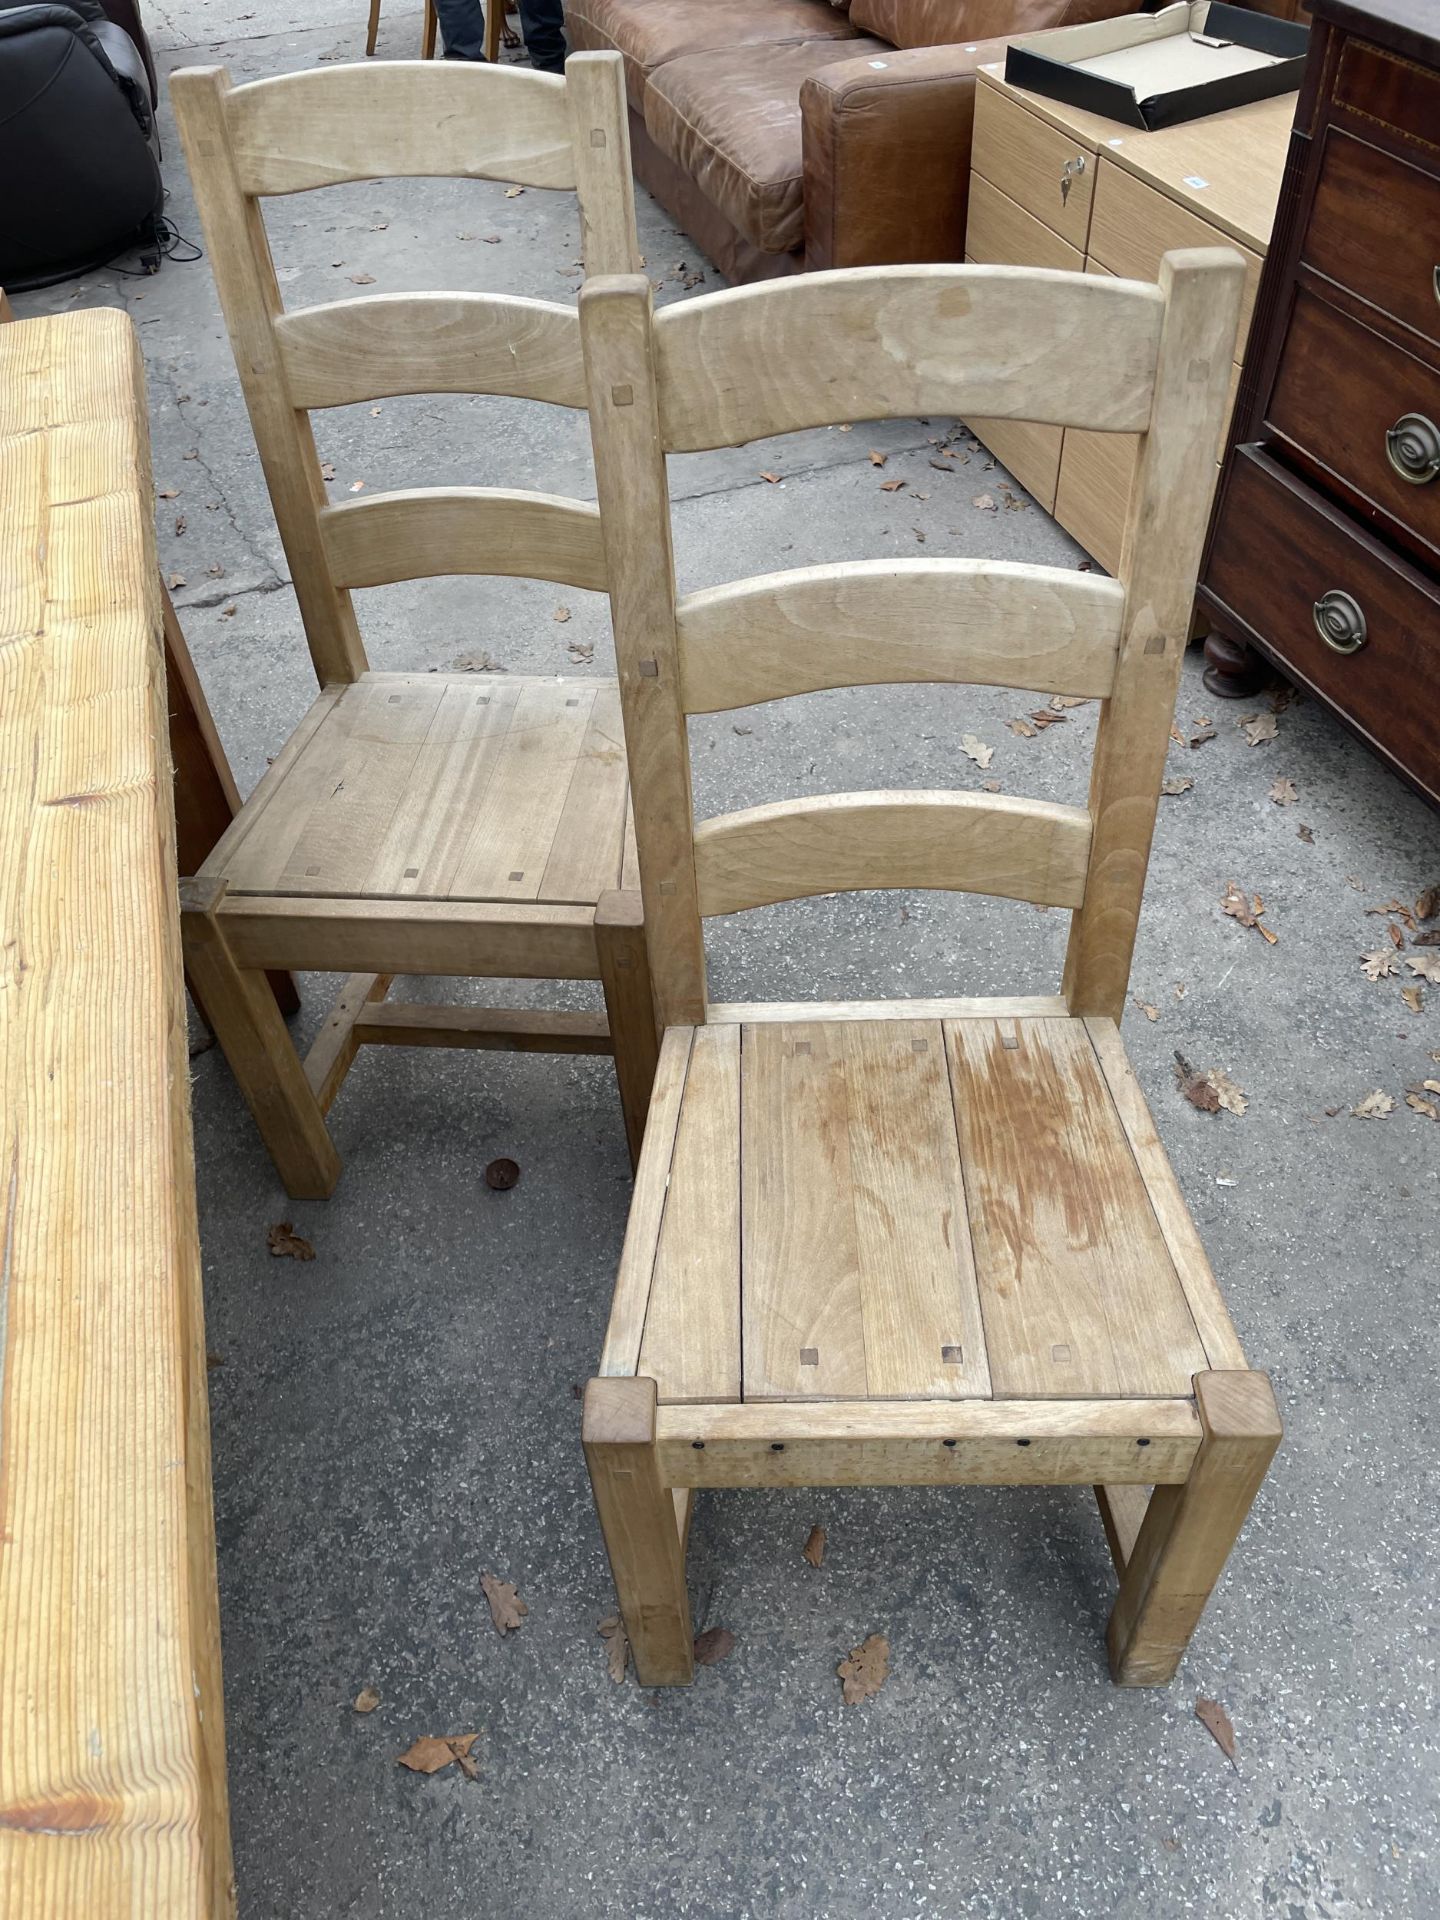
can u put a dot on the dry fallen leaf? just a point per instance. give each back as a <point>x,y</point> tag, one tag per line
<point>713,1645</point>
<point>1378,964</point>
<point>1060,701</point>
<point>1283,793</point>
<point>1022,727</point>
<point>430,1753</point>
<point>891,486</point>
<point>1373,1107</point>
<point>976,750</point>
<point>1199,739</point>
<point>878,459</point>
<point>617,1646</point>
<point>1216,1722</point>
<point>507,1609</point>
<point>1391,906</point>
<point>1047,717</point>
<point>327,469</point>
<point>990,786</point>
<point>361,279</point>
<point>865,1671</point>
<point>173,580</point>
<point>502,1175</point>
<point>985,503</point>
<point>283,1240</point>
<point>1258,728</point>
<point>1415,1097</point>
<point>1413,998</point>
<point>1425,965</point>
<point>1428,904</point>
<point>168,493</point>
<point>1209,1088</point>
<point>1307,834</point>
<point>1247,910</point>
<point>561,614</point>
<point>366,1700</point>
<point>1150,1013</point>
<point>814,1547</point>
<point>513,193</point>
<point>478,663</point>
<point>1181,784</point>
<point>581,651</point>
<point>773,478</point>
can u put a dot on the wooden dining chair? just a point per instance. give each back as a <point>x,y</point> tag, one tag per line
<point>416,823</point>
<point>926,1242</point>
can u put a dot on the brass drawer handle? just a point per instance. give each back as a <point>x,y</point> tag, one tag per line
<point>1412,446</point>
<point>1340,622</point>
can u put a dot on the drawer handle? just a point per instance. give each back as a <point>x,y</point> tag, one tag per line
<point>1340,622</point>
<point>1412,447</point>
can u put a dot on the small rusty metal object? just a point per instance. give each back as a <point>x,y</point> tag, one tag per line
<point>502,1175</point>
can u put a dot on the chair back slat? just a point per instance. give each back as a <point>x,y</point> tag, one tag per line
<point>315,129</point>
<point>393,119</point>
<point>877,343</point>
<point>419,532</point>
<point>991,342</point>
<point>385,344</point>
<point>857,842</point>
<point>884,622</point>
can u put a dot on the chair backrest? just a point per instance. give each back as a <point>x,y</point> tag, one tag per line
<point>386,119</point>
<point>870,343</point>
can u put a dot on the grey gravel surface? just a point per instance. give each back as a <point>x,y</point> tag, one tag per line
<point>399,1416</point>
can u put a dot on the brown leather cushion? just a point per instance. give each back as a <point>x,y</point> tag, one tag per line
<point>939,23</point>
<point>648,33</point>
<point>731,120</point>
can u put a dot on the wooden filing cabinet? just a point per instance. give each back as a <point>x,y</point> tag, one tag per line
<point>1324,553</point>
<point>1054,186</point>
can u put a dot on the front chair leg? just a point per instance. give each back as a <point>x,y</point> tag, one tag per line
<point>240,1005</point>
<point>1188,1530</point>
<point>629,1007</point>
<point>643,1528</point>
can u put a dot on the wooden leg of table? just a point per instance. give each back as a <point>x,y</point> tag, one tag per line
<point>629,1006</point>
<point>1188,1530</point>
<point>373,28</point>
<point>427,32</point>
<point>639,1519</point>
<point>206,797</point>
<point>253,1036</point>
<point>494,27</point>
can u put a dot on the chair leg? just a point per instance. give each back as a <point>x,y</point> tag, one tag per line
<point>629,1006</point>
<point>1188,1530</point>
<point>494,28</point>
<point>373,28</point>
<point>240,1006</point>
<point>427,31</point>
<point>641,1521</point>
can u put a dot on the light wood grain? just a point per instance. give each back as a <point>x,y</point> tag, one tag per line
<point>1047,171</point>
<point>1135,225</point>
<point>1122,1514</point>
<point>600,143</point>
<point>1013,342</point>
<point>391,118</point>
<point>250,297</point>
<point>112,1756</point>
<point>617,326</point>
<point>1042,1006</point>
<point>895,1444</point>
<point>378,345</point>
<point>621,1353</point>
<point>629,1007</point>
<point>1079,1295</point>
<point>840,843</point>
<point>1188,1530</point>
<point>879,622</point>
<point>691,1346</point>
<point>333,1050</point>
<point>511,939</point>
<point>409,1023</point>
<point>418,532</point>
<point>1158,566</point>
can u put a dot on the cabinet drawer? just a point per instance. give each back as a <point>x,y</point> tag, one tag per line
<point>1132,226</point>
<point>1277,551</point>
<point>1380,86</point>
<point>1047,173</point>
<point>1002,233</point>
<point>1375,227</point>
<point>1339,391</point>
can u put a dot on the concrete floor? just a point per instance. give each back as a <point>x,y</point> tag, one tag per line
<point>399,1416</point>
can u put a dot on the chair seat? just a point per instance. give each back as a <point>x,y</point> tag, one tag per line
<point>910,1209</point>
<point>440,787</point>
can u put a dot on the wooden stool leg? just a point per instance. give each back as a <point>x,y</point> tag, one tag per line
<point>253,1037</point>
<point>629,1006</point>
<point>494,28</point>
<point>642,1524</point>
<point>1188,1531</point>
<point>427,32</point>
<point>373,28</point>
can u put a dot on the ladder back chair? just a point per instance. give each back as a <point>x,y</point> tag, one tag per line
<point>934,1242</point>
<point>414,823</point>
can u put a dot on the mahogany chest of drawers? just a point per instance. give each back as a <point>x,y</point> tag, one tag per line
<point>1324,552</point>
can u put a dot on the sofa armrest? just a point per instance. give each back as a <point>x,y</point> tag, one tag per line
<point>886,141</point>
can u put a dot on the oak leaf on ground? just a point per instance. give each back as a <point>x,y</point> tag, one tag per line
<point>507,1609</point>
<point>865,1670</point>
<point>1378,964</point>
<point>1209,1088</point>
<point>617,1646</point>
<point>283,1241</point>
<point>1258,728</point>
<point>814,1547</point>
<point>1216,1722</point>
<point>431,1752</point>
<point>366,1700</point>
<point>1247,909</point>
<point>713,1645</point>
<point>1283,793</point>
<point>976,750</point>
<point>1413,997</point>
<point>1425,965</point>
<point>1374,1106</point>
<point>1182,783</point>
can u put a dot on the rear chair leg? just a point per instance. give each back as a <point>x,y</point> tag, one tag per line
<point>642,1524</point>
<point>629,1007</point>
<point>240,1005</point>
<point>1188,1530</point>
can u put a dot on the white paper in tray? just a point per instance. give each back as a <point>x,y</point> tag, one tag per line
<point>1165,66</point>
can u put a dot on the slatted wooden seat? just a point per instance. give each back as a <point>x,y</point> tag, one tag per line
<point>929,1242</point>
<point>415,823</point>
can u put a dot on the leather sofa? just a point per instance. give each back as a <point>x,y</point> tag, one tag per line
<point>792,134</point>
